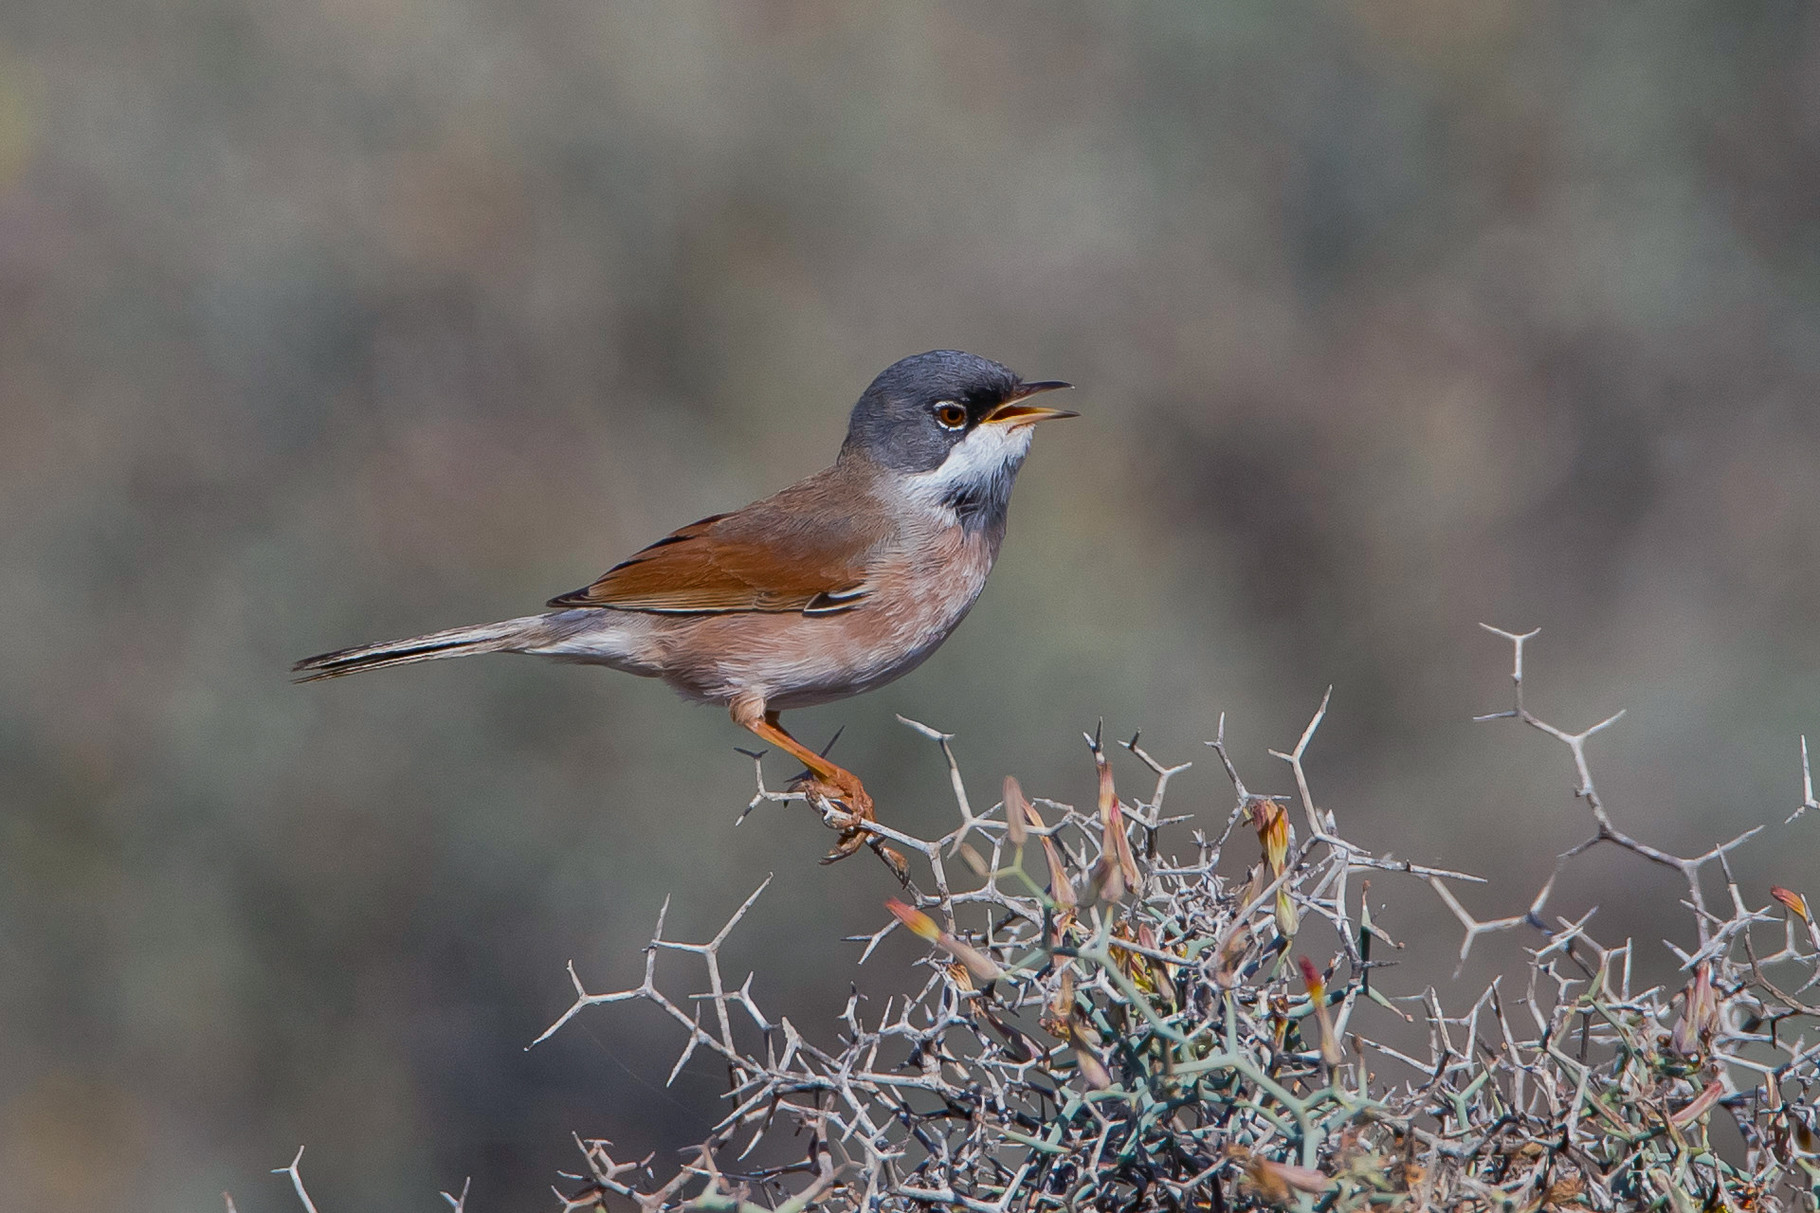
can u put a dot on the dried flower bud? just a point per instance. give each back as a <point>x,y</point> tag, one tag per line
<point>982,965</point>
<point>1113,844</point>
<point>1287,918</point>
<point>1280,1182</point>
<point>1106,882</point>
<point>1151,977</point>
<point>1317,994</point>
<point>1231,953</point>
<point>1699,1014</point>
<point>1093,1071</point>
<point>1271,820</point>
<point>1796,903</point>
<point>1061,889</point>
<point>1019,1047</point>
<point>1017,810</point>
<point>920,924</point>
<point>925,927</point>
<point>1701,1105</point>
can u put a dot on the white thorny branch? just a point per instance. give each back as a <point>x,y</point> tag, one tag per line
<point>1109,1023</point>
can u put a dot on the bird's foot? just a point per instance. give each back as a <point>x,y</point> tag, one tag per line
<point>851,840</point>
<point>846,799</point>
<point>846,807</point>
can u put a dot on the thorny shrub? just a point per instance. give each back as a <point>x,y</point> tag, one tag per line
<point>1107,1027</point>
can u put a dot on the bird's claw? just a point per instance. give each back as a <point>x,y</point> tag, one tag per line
<point>852,840</point>
<point>848,809</point>
<point>894,859</point>
<point>844,808</point>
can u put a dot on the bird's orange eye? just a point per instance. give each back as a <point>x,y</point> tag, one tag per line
<point>952,416</point>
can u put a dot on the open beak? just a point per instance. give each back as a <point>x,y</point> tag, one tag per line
<point>1012,413</point>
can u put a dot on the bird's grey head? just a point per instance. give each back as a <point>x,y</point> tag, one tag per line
<point>953,428</point>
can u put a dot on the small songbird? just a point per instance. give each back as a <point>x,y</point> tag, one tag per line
<point>836,585</point>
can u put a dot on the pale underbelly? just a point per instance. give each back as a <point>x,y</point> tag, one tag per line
<point>795,661</point>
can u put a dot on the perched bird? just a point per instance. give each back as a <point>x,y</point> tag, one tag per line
<point>836,585</point>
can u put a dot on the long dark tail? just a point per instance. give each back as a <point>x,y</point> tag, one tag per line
<point>506,636</point>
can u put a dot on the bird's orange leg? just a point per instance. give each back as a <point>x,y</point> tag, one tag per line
<point>827,779</point>
<point>844,784</point>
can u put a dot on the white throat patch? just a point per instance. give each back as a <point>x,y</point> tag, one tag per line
<point>987,454</point>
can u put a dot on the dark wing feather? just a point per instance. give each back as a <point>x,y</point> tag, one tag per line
<point>786,553</point>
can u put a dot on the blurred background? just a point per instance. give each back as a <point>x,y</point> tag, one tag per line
<point>324,321</point>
